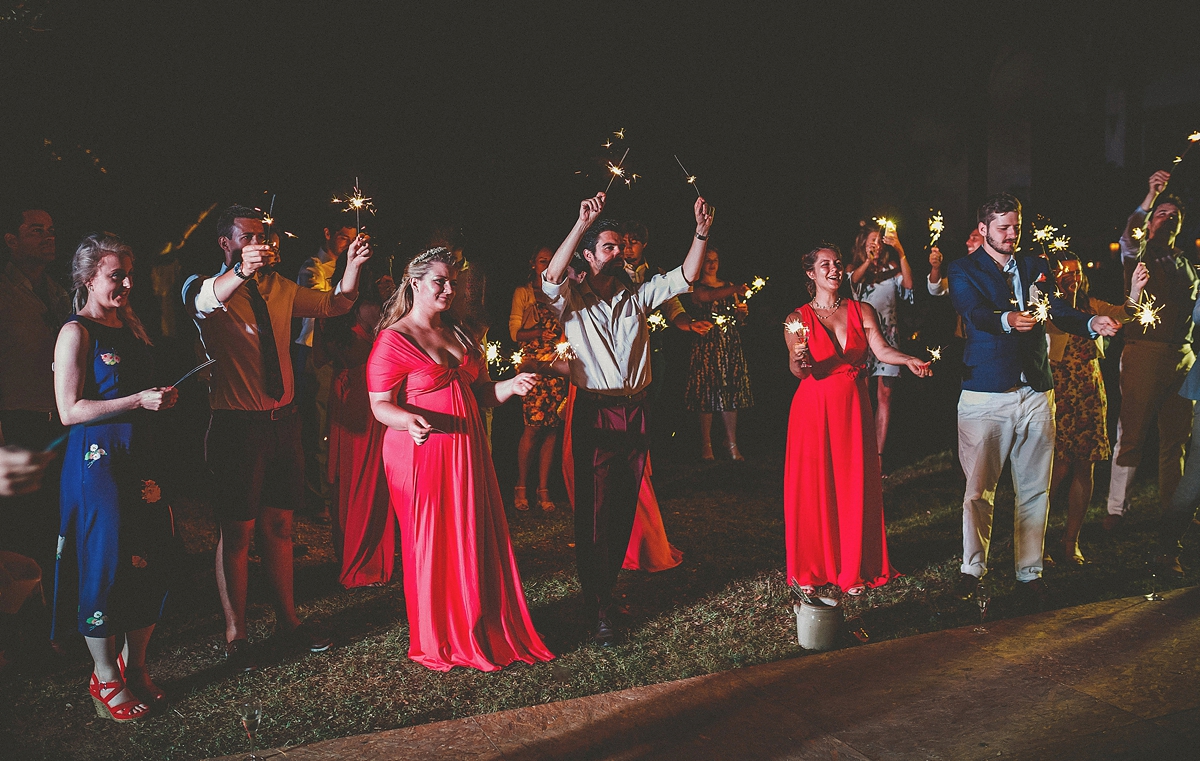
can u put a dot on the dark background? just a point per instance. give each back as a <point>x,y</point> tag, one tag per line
<point>797,119</point>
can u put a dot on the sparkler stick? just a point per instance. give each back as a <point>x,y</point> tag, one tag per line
<point>616,171</point>
<point>691,178</point>
<point>193,371</point>
<point>269,218</point>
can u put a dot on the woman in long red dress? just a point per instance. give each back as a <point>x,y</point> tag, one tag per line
<point>363,526</point>
<point>833,489</point>
<point>465,603</point>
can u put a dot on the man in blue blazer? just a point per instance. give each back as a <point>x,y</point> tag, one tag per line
<point>1006,408</point>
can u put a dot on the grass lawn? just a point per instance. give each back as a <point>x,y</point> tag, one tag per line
<point>726,606</point>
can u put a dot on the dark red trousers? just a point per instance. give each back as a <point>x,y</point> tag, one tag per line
<point>610,444</point>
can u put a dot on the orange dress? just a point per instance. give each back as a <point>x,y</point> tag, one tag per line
<point>463,594</point>
<point>648,548</point>
<point>833,488</point>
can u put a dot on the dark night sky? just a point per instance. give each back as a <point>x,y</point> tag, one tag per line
<point>478,115</point>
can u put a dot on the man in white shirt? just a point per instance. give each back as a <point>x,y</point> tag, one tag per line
<point>604,319</point>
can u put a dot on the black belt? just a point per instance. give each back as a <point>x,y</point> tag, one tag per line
<point>613,400</point>
<point>279,413</point>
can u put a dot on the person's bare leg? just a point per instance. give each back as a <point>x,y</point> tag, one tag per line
<point>883,411</point>
<point>276,527</point>
<point>706,452</point>
<point>104,659</point>
<point>1079,498</point>
<point>135,662</point>
<point>729,419</point>
<point>233,555</point>
<point>525,454</point>
<point>547,458</point>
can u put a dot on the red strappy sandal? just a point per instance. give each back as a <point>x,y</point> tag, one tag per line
<point>131,710</point>
<point>141,684</point>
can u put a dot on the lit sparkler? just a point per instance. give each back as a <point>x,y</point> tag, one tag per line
<point>491,355</point>
<point>1061,243</point>
<point>721,320</point>
<point>1145,312</point>
<point>563,349</point>
<point>937,226</point>
<point>517,358</point>
<point>357,203</point>
<point>798,327</point>
<point>885,225</point>
<point>691,178</point>
<point>1194,137</point>
<point>616,170</point>
<point>1138,233</point>
<point>269,217</point>
<point>656,322</point>
<point>1043,234</point>
<point>756,285</point>
<point>1039,305</point>
<point>935,353</point>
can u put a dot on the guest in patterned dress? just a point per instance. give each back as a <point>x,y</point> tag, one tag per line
<point>718,381</point>
<point>880,275</point>
<point>1080,401</point>
<point>531,323</point>
<point>116,529</point>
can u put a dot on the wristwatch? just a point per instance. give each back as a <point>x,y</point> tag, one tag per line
<point>237,270</point>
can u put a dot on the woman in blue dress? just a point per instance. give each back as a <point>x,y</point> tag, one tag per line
<point>116,529</point>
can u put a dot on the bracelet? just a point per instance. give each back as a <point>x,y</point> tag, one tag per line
<point>237,270</point>
<point>701,237</point>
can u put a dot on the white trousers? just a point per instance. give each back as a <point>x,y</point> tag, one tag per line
<point>992,428</point>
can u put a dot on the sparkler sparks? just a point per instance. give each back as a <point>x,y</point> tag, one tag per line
<point>1138,233</point>
<point>563,349</point>
<point>756,285</point>
<point>517,358</point>
<point>935,353</point>
<point>616,170</point>
<point>491,355</point>
<point>937,226</point>
<point>1043,234</point>
<point>795,327</point>
<point>619,134</point>
<point>1039,305</point>
<point>720,320</point>
<point>656,322</point>
<point>1194,137</point>
<point>1145,312</point>
<point>1061,243</point>
<point>885,225</point>
<point>606,144</point>
<point>691,178</point>
<point>357,203</point>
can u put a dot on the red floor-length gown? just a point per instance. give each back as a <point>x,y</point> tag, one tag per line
<point>364,528</point>
<point>648,548</point>
<point>465,603</point>
<point>832,487</point>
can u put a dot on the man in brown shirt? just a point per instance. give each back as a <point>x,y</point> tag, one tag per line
<point>1155,361</point>
<point>244,316</point>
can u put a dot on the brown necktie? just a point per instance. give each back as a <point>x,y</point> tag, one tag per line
<point>272,375</point>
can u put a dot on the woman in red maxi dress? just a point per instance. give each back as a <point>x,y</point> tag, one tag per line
<point>465,603</point>
<point>363,526</point>
<point>833,489</point>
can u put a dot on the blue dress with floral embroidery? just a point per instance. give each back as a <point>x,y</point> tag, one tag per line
<point>116,541</point>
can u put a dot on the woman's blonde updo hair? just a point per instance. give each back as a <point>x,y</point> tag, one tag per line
<point>401,302</point>
<point>86,263</point>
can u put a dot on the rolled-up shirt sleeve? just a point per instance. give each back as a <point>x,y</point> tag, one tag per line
<point>659,288</point>
<point>557,293</point>
<point>200,296</point>
<point>940,288</point>
<point>1131,247</point>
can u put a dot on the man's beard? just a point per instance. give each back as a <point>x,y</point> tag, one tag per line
<point>1000,245</point>
<point>613,267</point>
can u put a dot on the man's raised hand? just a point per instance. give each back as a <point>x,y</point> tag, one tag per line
<point>590,209</point>
<point>704,217</point>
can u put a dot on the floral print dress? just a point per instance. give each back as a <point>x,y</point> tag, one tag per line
<point>718,380</point>
<point>1080,403</point>
<point>885,296</point>
<point>543,405</point>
